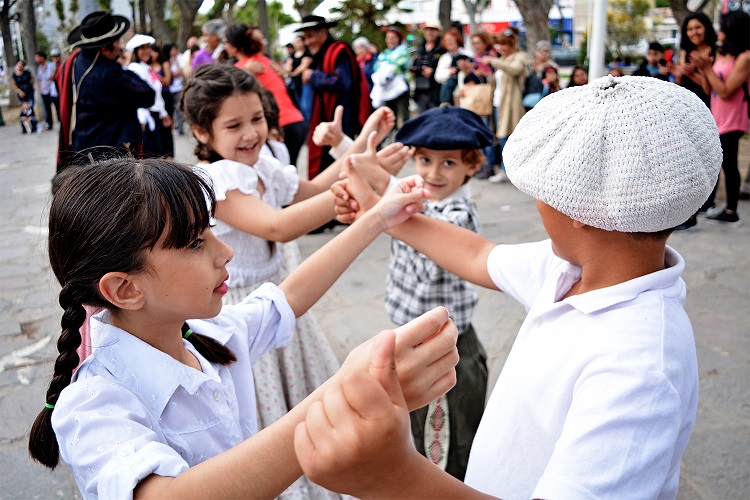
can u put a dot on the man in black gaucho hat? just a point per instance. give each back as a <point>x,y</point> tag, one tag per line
<point>98,98</point>
<point>336,80</point>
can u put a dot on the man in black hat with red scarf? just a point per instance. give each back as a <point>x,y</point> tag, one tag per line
<point>336,80</point>
<point>98,98</point>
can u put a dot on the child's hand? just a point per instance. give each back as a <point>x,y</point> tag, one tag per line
<point>345,206</point>
<point>351,440</point>
<point>330,133</point>
<point>426,357</point>
<point>381,121</point>
<point>393,157</point>
<point>403,200</point>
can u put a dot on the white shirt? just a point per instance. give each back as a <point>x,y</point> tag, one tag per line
<point>133,411</point>
<point>254,259</point>
<point>147,75</point>
<point>599,393</point>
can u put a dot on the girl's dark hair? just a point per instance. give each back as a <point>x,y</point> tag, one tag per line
<point>206,91</point>
<point>103,218</point>
<point>571,83</point>
<point>158,53</point>
<point>736,26</point>
<point>241,36</point>
<point>710,37</point>
<point>270,109</point>
<point>165,51</point>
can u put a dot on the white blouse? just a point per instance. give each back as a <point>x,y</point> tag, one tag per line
<point>255,260</point>
<point>133,410</point>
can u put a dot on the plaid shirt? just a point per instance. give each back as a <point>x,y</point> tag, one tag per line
<point>415,284</point>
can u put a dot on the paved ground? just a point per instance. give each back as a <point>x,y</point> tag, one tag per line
<point>715,466</point>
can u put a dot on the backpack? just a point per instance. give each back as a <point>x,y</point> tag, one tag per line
<point>532,90</point>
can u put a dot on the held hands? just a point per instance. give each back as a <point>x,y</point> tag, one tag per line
<point>700,61</point>
<point>352,440</point>
<point>354,195</point>
<point>330,133</point>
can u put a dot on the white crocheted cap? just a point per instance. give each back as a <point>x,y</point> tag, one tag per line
<point>628,154</point>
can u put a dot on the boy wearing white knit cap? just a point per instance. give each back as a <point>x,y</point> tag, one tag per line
<point>598,396</point>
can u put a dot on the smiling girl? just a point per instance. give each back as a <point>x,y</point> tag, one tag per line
<point>223,106</point>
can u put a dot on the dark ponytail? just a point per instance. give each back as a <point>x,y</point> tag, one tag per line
<point>208,347</point>
<point>104,218</point>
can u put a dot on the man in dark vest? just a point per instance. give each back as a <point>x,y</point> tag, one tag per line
<point>336,80</point>
<point>98,98</point>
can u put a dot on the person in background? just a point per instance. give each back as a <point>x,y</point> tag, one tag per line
<point>398,60</point>
<point>481,44</point>
<point>27,118</point>
<point>510,75</point>
<point>45,72</point>
<point>654,63</point>
<point>212,35</point>
<point>697,35</point>
<point>294,66</point>
<point>365,59</point>
<point>22,82</point>
<point>579,76</point>
<point>336,80</point>
<point>99,99</point>
<point>727,80</point>
<point>172,53</point>
<point>542,58</point>
<point>426,89</point>
<point>446,72</point>
<point>162,67</point>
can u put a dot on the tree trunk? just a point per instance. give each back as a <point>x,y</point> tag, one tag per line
<point>471,11</point>
<point>263,21</point>
<point>142,27</point>
<point>28,25</point>
<point>680,9</point>
<point>535,14</point>
<point>444,14</point>
<point>159,27</point>
<point>10,58</point>
<point>306,7</point>
<point>188,11</point>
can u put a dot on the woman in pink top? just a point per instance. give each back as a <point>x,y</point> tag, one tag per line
<point>727,81</point>
<point>241,44</point>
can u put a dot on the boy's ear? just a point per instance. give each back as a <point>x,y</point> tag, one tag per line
<point>121,291</point>
<point>200,133</point>
<point>471,170</point>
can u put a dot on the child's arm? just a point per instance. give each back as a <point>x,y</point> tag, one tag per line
<point>357,439</point>
<point>254,216</point>
<point>313,277</point>
<point>266,464</point>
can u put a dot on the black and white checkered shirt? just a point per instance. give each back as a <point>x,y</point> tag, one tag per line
<point>415,284</point>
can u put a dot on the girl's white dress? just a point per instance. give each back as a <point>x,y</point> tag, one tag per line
<point>284,376</point>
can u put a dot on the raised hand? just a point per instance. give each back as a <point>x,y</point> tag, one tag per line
<point>381,121</point>
<point>330,133</point>
<point>393,157</point>
<point>351,440</point>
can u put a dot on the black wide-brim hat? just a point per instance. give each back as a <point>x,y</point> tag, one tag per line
<point>97,30</point>
<point>311,22</point>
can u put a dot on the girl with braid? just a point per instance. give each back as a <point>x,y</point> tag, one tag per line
<point>165,406</point>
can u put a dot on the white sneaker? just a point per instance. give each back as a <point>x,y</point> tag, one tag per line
<point>499,178</point>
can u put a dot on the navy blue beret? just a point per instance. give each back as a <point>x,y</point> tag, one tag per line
<point>446,128</point>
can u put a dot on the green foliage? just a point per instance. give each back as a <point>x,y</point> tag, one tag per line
<point>626,22</point>
<point>584,50</point>
<point>364,18</point>
<point>661,4</point>
<point>42,43</point>
<point>105,5</point>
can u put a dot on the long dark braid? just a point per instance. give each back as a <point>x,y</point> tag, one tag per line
<point>103,218</point>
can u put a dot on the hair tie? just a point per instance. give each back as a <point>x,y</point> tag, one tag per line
<point>47,405</point>
<point>187,333</point>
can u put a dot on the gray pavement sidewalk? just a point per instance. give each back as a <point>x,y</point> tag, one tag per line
<point>716,464</point>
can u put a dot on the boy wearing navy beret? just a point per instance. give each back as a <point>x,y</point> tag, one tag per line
<point>448,144</point>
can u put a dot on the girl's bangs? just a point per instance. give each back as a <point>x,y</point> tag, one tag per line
<point>186,208</point>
